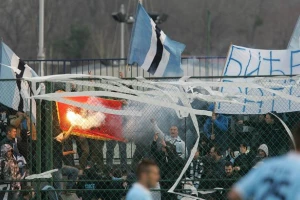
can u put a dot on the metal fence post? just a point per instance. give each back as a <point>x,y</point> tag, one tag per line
<point>38,156</point>
<point>48,131</point>
<point>29,140</point>
<point>39,138</point>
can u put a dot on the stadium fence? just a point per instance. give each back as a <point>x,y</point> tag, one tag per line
<point>229,146</point>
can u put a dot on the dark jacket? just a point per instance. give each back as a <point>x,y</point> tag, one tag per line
<point>227,181</point>
<point>57,154</point>
<point>244,161</point>
<point>234,175</point>
<point>276,138</point>
<point>219,168</point>
<point>68,146</point>
<point>170,164</point>
<point>214,169</point>
<point>91,183</point>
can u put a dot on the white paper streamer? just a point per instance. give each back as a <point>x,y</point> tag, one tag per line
<point>193,151</point>
<point>152,101</point>
<point>168,91</point>
<point>286,129</point>
<point>47,174</point>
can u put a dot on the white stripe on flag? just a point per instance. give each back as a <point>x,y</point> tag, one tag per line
<point>25,92</point>
<point>152,51</point>
<point>16,98</point>
<point>165,57</point>
<point>15,63</point>
<point>163,63</point>
<point>162,37</point>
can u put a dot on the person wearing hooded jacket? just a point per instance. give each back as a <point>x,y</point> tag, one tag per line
<point>9,171</point>
<point>12,140</point>
<point>263,153</point>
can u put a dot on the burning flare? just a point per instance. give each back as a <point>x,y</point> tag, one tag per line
<point>92,120</point>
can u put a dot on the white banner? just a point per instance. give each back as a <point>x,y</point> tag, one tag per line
<point>242,61</point>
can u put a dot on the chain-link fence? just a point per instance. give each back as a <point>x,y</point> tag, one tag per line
<point>97,135</point>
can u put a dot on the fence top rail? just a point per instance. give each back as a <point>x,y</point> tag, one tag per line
<point>220,77</point>
<point>193,77</point>
<point>111,59</point>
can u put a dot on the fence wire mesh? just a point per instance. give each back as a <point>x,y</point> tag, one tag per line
<point>96,151</point>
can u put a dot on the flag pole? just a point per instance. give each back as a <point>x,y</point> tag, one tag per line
<point>122,37</point>
<point>41,52</point>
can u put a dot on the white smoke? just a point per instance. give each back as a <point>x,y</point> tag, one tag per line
<point>91,120</point>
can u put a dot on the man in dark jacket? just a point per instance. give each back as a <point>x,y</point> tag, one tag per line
<point>229,178</point>
<point>11,138</point>
<point>169,162</point>
<point>59,138</point>
<point>275,136</point>
<point>242,163</point>
<point>217,163</point>
<point>69,171</point>
<point>229,171</point>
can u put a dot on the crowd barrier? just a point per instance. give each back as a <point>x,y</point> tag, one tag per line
<point>192,66</point>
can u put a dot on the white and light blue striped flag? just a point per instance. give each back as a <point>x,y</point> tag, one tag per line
<point>15,93</point>
<point>152,50</point>
<point>295,39</point>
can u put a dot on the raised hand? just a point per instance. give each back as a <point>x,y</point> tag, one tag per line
<point>155,137</point>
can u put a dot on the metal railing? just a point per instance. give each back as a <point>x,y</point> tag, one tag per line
<point>192,66</point>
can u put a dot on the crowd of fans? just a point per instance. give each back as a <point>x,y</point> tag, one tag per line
<point>229,147</point>
<point>233,145</point>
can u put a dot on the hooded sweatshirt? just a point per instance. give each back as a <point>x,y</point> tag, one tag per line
<point>264,148</point>
<point>258,160</point>
<point>9,169</point>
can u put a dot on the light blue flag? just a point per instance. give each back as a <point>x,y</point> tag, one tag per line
<point>152,50</point>
<point>15,93</point>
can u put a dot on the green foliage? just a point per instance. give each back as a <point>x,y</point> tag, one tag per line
<point>73,46</point>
